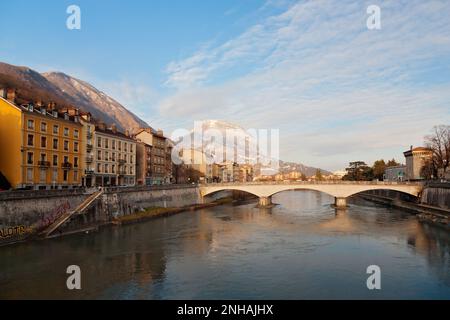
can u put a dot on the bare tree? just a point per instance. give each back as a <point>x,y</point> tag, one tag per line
<point>439,143</point>
<point>429,170</point>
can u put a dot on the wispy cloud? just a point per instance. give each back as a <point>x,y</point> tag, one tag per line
<point>336,90</point>
<point>136,96</point>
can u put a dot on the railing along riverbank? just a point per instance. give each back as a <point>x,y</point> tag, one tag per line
<point>27,194</point>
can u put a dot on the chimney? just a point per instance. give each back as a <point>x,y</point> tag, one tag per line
<point>11,95</point>
<point>114,128</point>
<point>3,93</point>
<point>127,133</point>
<point>102,126</point>
<point>51,106</point>
<point>160,132</point>
<point>86,117</point>
<point>71,111</point>
<point>411,147</point>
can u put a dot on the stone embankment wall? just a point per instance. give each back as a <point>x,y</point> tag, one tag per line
<point>24,214</point>
<point>391,194</point>
<point>437,195</point>
<point>433,194</point>
<point>120,202</point>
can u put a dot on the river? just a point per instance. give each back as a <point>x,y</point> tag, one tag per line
<point>300,249</point>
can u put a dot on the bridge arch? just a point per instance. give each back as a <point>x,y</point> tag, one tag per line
<point>339,190</point>
<point>302,189</point>
<point>413,194</point>
<point>213,191</point>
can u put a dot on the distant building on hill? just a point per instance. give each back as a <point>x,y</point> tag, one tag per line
<point>339,174</point>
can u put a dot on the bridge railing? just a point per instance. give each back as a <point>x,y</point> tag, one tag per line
<point>331,182</point>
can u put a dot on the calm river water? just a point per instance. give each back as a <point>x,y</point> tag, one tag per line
<point>300,249</point>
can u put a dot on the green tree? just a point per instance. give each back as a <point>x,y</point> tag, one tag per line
<point>378,168</point>
<point>392,163</point>
<point>319,176</point>
<point>303,177</point>
<point>368,174</point>
<point>358,171</point>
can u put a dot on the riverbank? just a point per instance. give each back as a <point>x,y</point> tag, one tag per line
<point>144,215</point>
<point>424,213</point>
<point>159,212</point>
<point>25,214</point>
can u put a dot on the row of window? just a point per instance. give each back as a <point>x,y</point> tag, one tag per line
<point>55,175</point>
<point>159,152</point>
<point>158,169</point>
<point>159,160</point>
<point>105,143</point>
<point>106,156</point>
<point>106,168</point>
<point>159,143</point>
<point>43,160</point>
<point>55,143</point>
<point>31,126</point>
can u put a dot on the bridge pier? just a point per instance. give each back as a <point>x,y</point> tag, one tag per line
<point>265,202</point>
<point>340,202</point>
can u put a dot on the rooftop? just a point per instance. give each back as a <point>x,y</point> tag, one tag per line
<point>416,149</point>
<point>110,131</point>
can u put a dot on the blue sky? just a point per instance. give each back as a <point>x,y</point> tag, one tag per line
<point>336,90</point>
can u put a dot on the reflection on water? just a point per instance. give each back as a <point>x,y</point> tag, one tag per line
<point>300,249</point>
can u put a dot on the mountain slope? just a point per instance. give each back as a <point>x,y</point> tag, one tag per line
<point>67,91</point>
<point>95,100</point>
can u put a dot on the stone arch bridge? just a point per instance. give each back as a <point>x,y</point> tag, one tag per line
<point>340,190</point>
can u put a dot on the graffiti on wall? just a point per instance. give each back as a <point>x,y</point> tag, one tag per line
<point>11,233</point>
<point>16,231</point>
<point>48,219</point>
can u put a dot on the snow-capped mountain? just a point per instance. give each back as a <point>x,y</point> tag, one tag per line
<point>212,140</point>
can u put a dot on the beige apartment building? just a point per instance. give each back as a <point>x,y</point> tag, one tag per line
<point>109,155</point>
<point>115,157</point>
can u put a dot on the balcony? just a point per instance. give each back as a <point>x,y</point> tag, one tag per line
<point>44,164</point>
<point>89,172</point>
<point>122,161</point>
<point>89,147</point>
<point>89,159</point>
<point>66,165</point>
<point>122,172</point>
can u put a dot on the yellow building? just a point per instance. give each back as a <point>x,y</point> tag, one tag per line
<point>40,147</point>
